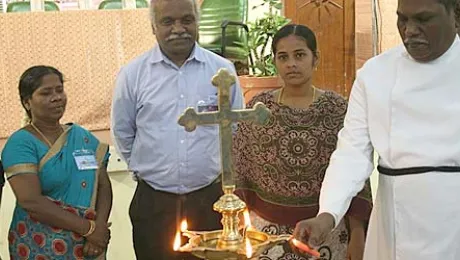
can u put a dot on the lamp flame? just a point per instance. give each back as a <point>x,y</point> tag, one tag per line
<point>183,226</point>
<point>247,225</point>
<point>177,238</point>
<point>248,248</point>
<point>247,219</point>
<point>305,248</point>
<point>177,241</point>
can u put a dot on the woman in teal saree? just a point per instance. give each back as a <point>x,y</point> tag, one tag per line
<point>58,175</point>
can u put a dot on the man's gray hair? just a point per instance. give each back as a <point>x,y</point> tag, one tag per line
<point>153,4</point>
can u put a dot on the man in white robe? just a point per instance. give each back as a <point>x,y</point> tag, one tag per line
<point>405,106</point>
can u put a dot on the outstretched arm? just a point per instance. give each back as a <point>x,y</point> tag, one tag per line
<point>352,162</point>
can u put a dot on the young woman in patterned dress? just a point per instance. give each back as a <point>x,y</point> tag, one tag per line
<point>280,166</point>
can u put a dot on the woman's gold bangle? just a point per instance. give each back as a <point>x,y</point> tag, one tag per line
<point>92,227</point>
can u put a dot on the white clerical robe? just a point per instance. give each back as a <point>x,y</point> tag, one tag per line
<point>409,113</point>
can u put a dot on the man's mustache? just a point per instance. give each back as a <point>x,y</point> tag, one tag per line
<point>184,36</point>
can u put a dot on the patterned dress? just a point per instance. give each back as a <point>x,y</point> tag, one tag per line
<point>280,168</point>
<point>61,182</point>
<point>30,239</point>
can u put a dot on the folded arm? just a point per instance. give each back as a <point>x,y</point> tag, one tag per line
<point>27,189</point>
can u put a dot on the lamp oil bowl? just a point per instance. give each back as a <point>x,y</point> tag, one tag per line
<point>230,243</point>
<point>204,245</point>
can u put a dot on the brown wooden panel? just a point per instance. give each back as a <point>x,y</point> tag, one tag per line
<point>349,46</point>
<point>333,23</point>
<point>363,34</point>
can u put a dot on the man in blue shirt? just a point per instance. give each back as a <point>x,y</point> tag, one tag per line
<point>177,171</point>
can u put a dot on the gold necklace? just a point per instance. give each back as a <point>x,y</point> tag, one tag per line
<point>280,95</point>
<point>42,135</point>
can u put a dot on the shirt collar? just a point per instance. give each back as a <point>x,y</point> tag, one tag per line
<point>158,56</point>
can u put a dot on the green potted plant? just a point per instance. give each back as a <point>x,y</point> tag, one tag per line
<point>263,75</point>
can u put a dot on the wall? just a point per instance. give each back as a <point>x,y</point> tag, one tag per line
<point>87,46</point>
<point>121,247</point>
<point>123,187</point>
<point>386,26</point>
<point>389,31</point>
<point>363,28</point>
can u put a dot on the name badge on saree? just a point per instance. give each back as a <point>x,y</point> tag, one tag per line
<point>85,159</point>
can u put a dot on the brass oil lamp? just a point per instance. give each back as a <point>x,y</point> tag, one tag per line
<point>233,241</point>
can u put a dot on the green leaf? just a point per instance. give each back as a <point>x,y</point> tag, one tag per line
<point>261,32</point>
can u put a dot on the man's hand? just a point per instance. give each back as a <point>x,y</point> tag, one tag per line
<point>314,231</point>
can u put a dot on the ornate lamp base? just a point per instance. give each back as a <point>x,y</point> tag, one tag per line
<point>230,243</point>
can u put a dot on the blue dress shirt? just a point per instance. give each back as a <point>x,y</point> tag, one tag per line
<point>151,93</point>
